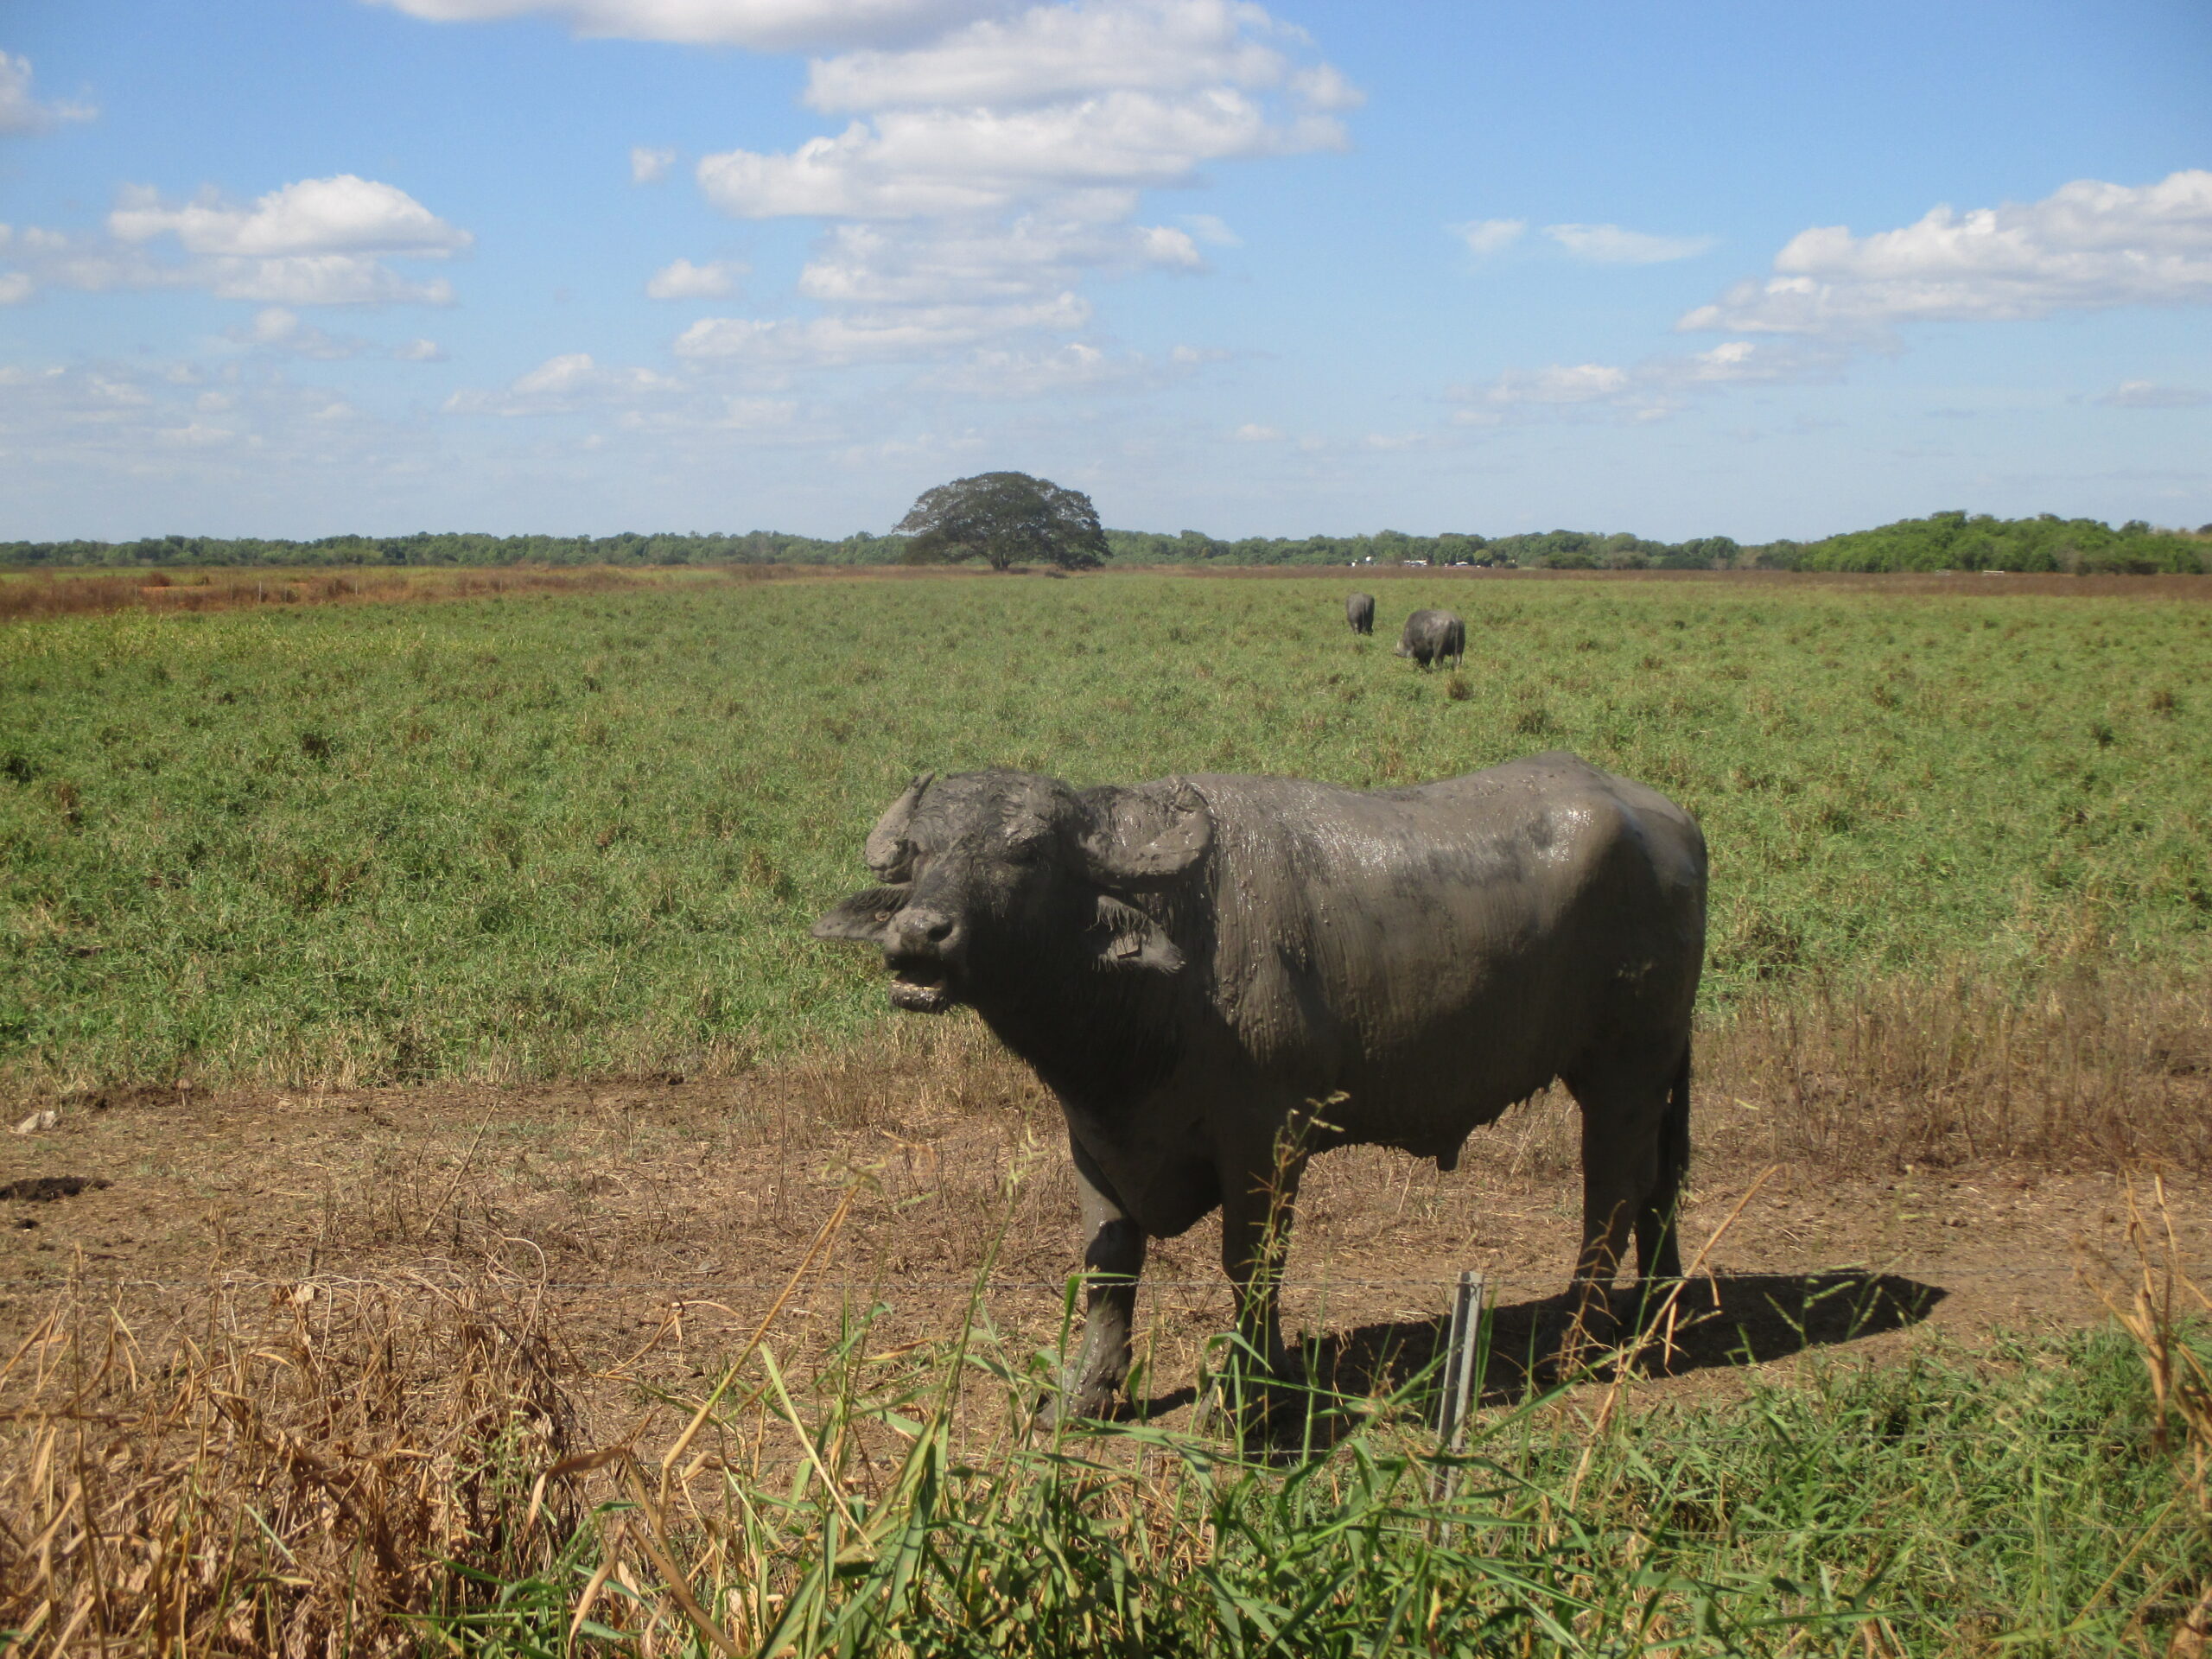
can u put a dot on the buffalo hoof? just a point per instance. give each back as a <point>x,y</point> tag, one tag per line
<point>1059,1408</point>
<point>1572,1339</point>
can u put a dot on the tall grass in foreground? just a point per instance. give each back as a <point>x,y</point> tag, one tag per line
<point>370,1473</point>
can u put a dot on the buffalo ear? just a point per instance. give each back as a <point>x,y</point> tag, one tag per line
<point>1124,937</point>
<point>865,918</point>
<point>887,851</point>
<point>1146,837</point>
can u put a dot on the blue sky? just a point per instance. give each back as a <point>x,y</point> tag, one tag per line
<point>311,266</point>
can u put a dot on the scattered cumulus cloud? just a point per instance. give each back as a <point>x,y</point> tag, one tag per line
<point>2145,394</point>
<point>985,171</point>
<point>20,111</point>
<point>1651,389</point>
<point>982,162</point>
<point>564,384</point>
<point>1485,237</point>
<point>420,351</point>
<point>906,334</point>
<point>345,215</point>
<point>1609,244</point>
<point>1055,54</point>
<point>1252,432</point>
<point>758,25</point>
<point>315,242</point>
<point>686,281</point>
<point>2088,245</point>
<point>275,329</point>
<point>1095,154</point>
<point>991,372</point>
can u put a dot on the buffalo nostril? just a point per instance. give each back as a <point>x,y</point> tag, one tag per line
<point>938,931</point>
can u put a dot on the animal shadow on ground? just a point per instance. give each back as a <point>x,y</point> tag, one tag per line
<point>1730,1319</point>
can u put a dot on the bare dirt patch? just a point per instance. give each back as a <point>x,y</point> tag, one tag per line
<point>662,1219</point>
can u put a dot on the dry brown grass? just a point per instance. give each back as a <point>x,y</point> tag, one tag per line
<point>43,595</point>
<point>291,1479</point>
<point>2101,1070</point>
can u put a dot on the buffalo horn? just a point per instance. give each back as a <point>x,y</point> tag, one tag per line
<point>887,848</point>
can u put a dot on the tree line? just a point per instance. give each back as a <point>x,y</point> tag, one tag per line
<point>1942,541</point>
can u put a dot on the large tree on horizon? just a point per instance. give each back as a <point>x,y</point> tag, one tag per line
<point>1005,518</point>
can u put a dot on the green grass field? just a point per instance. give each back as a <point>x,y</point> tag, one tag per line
<point>515,837</point>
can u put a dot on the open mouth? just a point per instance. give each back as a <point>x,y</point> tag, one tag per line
<point>920,987</point>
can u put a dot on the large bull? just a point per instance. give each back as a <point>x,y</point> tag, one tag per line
<point>1430,637</point>
<point>1207,970</point>
<point>1359,610</point>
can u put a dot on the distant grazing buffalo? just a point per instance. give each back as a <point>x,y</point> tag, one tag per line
<point>1218,976</point>
<point>1430,637</point>
<point>1359,610</point>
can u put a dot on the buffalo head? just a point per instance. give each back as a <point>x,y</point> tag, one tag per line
<point>993,879</point>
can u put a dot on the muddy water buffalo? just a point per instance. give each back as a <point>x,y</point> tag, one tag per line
<point>1207,970</point>
<point>1359,610</point>
<point>1432,636</point>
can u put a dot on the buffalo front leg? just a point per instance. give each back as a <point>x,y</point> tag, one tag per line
<point>1113,1258</point>
<point>1256,1216</point>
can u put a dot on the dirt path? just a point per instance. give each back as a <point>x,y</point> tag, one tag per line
<point>666,1218</point>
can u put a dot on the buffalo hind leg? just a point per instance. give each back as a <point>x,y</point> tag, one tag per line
<point>1113,1258</point>
<point>1658,1241</point>
<point>1631,1167</point>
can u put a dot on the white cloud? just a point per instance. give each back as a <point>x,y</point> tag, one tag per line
<point>2088,245</point>
<point>1157,244</point>
<point>649,166</point>
<point>2145,394</point>
<point>557,375</point>
<point>20,111</point>
<point>566,382</point>
<point>342,215</point>
<point>1609,244</point>
<point>990,169</point>
<point>420,351</point>
<point>16,287</point>
<point>759,25</point>
<point>1485,237</point>
<point>906,334</point>
<point>1322,87</point>
<point>959,160</point>
<point>686,281</point>
<point>995,158</point>
<point>1650,390</point>
<point>275,329</point>
<point>1027,257</point>
<point>316,242</point>
<point>1252,432</point>
<point>758,414</point>
<point>1073,367</point>
<point>1579,383</point>
<point>194,435</point>
<point>1053,53</point>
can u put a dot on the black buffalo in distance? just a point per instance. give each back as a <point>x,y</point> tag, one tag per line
<point>1430,637</point>
<point>1206,970</point>
<point>1359,610</point>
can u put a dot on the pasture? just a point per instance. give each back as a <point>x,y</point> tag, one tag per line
<point>429,982</point>
<point>523,837</point>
